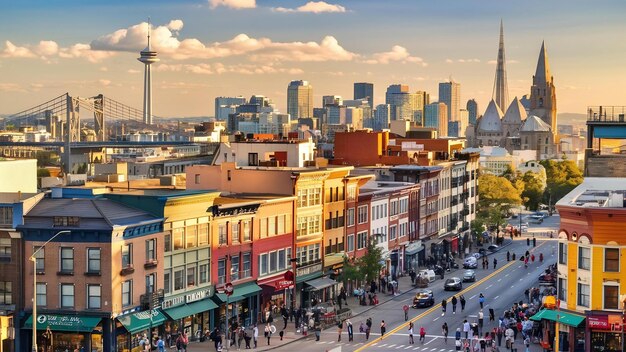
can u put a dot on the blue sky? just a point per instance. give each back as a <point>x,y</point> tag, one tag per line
<point>210,49</point>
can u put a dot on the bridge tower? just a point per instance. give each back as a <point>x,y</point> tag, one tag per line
<point>98,117</point>
<point>148,57</point>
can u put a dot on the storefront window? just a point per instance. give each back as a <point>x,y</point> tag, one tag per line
<point>606,341</point>
<point>67,342</point>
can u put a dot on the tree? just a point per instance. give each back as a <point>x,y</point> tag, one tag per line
<point>562,177</point>
<point>43,173</point>
<point>365,268</point>
<point>533,190</point>
<point>496,197</point>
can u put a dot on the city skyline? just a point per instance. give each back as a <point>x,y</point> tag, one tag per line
<point>245,47</point>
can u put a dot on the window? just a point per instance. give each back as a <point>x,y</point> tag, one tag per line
<point>5,247</point>
<point>350,217</point>
<point>40,258</point>
<point>392,232</point>
<point>281,260</point>
<point>67,295</point>
<point>6,216</point>
<point>234,267</point>
<point>65,221</point>
<point>6,292</point>
<point>271,226</point>
<point>309,196</point>
<point>246,228</point>
<point>150,280</point>
<point>221,271</point>
<point>167,281</point>
<point>191,275</point>
<point>94,296</point>
<point>280,224</point>
<point>361,240</point>
<point>247,266</point>
<point>127,257</point>
<point>127,298</point>
<point>562,289</point>
<point>562,253</point>
<point>351,192</point>
<point>67,259</point>
<point>362,214</point>
<point>150,250</point>
<point>584,258</point>
<point>179,238</point>
<point>583,295</point>
<point>197,178</point>
<point>273,261</point>
<point>611,260</point>
<point>167,239</point>
<point>611,297</point>
<point>203,235</point>
<point>191,236</point>
<point>263,264</point>
<point>42,290</point>
<point>234,233</point>
<point>93,260</point>
<point>179,278</point>
<point>223,236</point>
<point>203,273</point>
<point>350,243</point>
<point>253,159</point>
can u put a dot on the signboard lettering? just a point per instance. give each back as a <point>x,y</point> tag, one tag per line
<point>283,284</point>
<point>196,296</point>
<point>55,321</point>
<point>309,269</point>
<point>173,302</point>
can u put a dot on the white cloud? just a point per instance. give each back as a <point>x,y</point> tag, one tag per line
<point>397,54</point>
<point>234,4</point>
<point>314,7</point>
<point>462,61</point>
<point>493,62</point>
<point>11,87</point>
<point>47,48</point>
<point>104,82</point>
<point>219,68</point>
<point>133,71</point>
<point>175,25</point>
<point>13,51</point>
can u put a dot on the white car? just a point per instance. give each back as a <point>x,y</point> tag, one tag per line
<point>470,263</point>
<point>428,273</point>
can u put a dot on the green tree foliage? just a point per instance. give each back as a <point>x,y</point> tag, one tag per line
<point>532,192</point>
<point>497,196</point>
<point>562,177</point>
<point>43,173</point>
<point>365,268</point>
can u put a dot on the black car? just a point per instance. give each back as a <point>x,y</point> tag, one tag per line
<point>453,284</point>
<point>469,275</point>
<point>493,248</point>
<point>423,298</point>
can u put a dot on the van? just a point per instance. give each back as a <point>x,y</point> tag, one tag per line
<point>428,273</point>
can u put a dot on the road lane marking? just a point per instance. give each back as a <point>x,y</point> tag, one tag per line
<point>429,341</point>
<point>488,287</point>
<point>473,296</point>
<point>435,308</point>
<point>499,280</point>
<point>496,297</point>
<point>436,318</point>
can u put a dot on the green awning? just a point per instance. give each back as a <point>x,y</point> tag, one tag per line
<point>63,322</point>
<point>141,321</point>
<point>563,317</point>
<point>186,310</point>
<point>240,292</point>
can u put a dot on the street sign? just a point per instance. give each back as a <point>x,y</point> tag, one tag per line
<point>228,289</point>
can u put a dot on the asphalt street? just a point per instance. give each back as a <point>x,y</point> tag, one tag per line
<point>501,288</point>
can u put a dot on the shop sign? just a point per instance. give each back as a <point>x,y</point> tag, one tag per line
<point>146,314</point>
<point>308,269</point>
<point>600,322</point>
<point>58,321</point>
<point>199,295</point>
<point>283,284</point>
<point>173,302</point>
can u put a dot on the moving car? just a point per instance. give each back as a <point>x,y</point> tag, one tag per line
<point>470,263</point>
<point>453,284</point>
<point>469,275</point>
<point>423,298</point>
<point>493,248</point>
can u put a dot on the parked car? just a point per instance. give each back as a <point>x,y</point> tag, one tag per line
<point>428,273</point>
<point>453,284</point>
<point>478,254</point>
<point>438,269</point>
<point>470,263</point>
<point>469,275</point>
<point>493,248</point>
<point>423,298</point>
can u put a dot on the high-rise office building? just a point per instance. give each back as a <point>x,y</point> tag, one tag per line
<point>472,111</point>
<point>364,90</point>
<point>300,99</point>
<point>332,100</point>
<point>423,99</point>
<point>227,105</point>
<point>450,94</point>
<point>404,105</point>
<point>436,116</point>
<point>381,117</point>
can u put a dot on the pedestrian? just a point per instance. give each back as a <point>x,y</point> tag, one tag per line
<point>534,241</point>
<point>541,257</point>
<point>383,328</point>
<point>285,314</point>
<point>453,300</point>
<point>528,241</point>
<point>481,300</point>
<point>247,338</point>
<point>405,308</point>
<point>509,338</point>
<point>462,300</point>
<point>495,262</point>
<point>444,303</point>
<point>411,341</point>
<point>422,335</point>
<point>297,314</point>
<point>444,331</point>
<point>508,256</point>
<point>255,334</point>
<point>368,328</point>
<point>350,329</point>
<point>481,317</point>
<point>532,258</point>
<point>339,329</point>
<point>499,335</point>
<point>466,328</point>
<point>268,333</point>
<point>160,345</point>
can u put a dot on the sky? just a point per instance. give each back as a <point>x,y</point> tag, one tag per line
<point>210,48</point>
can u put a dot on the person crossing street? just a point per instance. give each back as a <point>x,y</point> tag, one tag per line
<point>444,303</point>
<point>453,300</point>
<point>462,300</point>
<point>495,262</point>
<point>481,300</point>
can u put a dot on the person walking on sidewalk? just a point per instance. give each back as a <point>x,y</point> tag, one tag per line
<point>495,262</point>
<point>255,334</point>
<point>422,335</point>
<point>444,331</point>
<point>444,303</point>
<point>350,329</point>
<point>453,300</point>
<point>411,341</point>
<point>466,328</point>
<point>268,333</point>
<point>368,328</point>
<point>481,300</point>
<point>285,314</point>
<point>481,319</point>
<point>383,328</point>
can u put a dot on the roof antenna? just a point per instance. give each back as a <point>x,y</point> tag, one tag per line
<point>149,30</point>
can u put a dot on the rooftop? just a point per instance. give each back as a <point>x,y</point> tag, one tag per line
<point>597,192</point>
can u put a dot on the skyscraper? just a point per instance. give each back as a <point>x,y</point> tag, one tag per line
<point>500,89</point>
<point>364,91</point>
<point>148,57</point>
<point>450,94</point>
<point>436,116</point>
<point>403,104</point>
<point>472,111</point>
<point>227,105</point>
<point>300,99</point>
<point>381,117</point>
<point>543,92</point>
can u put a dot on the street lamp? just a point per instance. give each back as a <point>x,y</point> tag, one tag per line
<point>34,260</point>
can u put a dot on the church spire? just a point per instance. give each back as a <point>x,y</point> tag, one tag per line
<point>500,89</point>
<point>542,75</point>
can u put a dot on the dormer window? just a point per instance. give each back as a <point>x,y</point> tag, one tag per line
<point>66,221</point>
